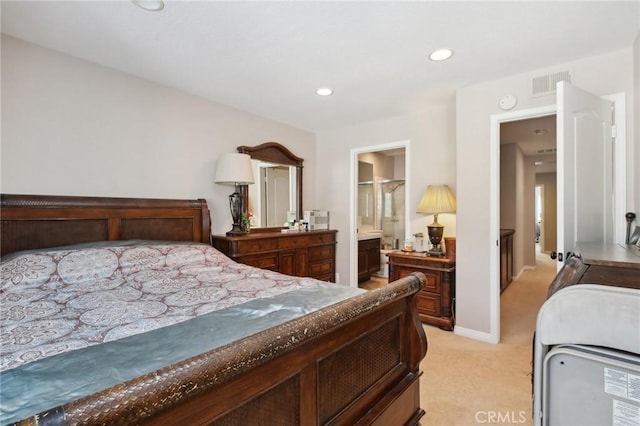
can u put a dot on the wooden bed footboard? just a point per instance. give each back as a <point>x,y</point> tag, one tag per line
<point>352,363</point>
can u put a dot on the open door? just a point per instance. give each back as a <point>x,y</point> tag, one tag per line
<point>275,180</point>
<point>585,169</point>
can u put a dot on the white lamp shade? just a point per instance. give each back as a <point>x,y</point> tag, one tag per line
<point>234,169</point>
<point>437,199</point>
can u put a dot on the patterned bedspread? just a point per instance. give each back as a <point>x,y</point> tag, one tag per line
<point>63,299</point>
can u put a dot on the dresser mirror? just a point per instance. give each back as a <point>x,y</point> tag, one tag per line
<point>276,195</point>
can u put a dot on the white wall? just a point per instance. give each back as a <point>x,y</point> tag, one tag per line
<point>602,75</point>
<point>431,133</point>
<point>70,127</point>
<point>549,224</point>
<point>517,206</point>
<point>633,152</point>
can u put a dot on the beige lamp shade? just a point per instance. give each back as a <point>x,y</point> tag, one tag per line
<point>234,169</point>
<point>437,199</point>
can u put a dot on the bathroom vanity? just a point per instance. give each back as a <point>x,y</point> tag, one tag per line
<point>368,258</point>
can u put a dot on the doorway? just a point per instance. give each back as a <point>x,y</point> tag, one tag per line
<point>496,206</point>
<point>528,162</point>
<point>379,205</point>
<point>619,171</point>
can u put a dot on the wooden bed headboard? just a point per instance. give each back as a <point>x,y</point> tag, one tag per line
<point>40,221</point>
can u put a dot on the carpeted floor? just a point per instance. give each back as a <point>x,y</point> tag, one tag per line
<point>468,382</point>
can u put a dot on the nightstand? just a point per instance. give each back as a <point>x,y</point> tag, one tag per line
<point>435,301</point>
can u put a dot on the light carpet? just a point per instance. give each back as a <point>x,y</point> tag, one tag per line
<point>468,382</point>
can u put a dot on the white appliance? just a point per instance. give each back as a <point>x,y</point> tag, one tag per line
<point>587,357</point>
<point>317,219</point>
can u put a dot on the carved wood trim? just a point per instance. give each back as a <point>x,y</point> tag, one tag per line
<point>275,153</point>
<point>272,152</point>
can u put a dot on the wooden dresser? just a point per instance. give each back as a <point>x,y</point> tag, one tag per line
<point>506,258</point>
<point>611,264</point>
<point>436,299</point>
<point>304,254</point>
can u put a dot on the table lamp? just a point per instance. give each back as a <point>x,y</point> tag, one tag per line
<point>436,199</point>
<point>235,169</point>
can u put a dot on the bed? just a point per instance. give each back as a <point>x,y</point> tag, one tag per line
<point>313,353</point>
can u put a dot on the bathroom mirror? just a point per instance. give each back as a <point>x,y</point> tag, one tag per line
<point>276,195</point>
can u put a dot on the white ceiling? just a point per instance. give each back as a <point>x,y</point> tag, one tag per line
<point>268,58</point>
<point>536,137</point>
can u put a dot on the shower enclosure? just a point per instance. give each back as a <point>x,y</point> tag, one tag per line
<point>390,212</point>
<point>381,205</point>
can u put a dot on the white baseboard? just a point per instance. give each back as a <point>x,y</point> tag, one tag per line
<point>475,334</point>
<point>525,268</point>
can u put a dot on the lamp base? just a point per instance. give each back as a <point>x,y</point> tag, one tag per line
<point>435,231</point>
<point>235,204</point>
<point>435,253</point>
<point>236,230</point>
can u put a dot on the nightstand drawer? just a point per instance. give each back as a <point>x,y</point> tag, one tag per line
<point>429,304</point>
<point>433,284</point>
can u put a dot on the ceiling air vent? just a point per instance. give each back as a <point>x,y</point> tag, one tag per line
<point>546,84</point>
<point>546,151</point>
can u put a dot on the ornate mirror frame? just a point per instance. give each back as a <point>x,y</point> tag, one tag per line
<point>273,152</point>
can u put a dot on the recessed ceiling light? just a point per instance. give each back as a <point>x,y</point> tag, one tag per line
<point>324,91</point>
<point>441,54</point>
<point>151,5</point>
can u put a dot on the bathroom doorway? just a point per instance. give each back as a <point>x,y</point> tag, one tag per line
<point>379,203</point>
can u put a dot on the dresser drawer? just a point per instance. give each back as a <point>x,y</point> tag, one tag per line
<point>305,239</point>
<point>256,245</point>
<point>263,261</point>
<point>317,269</point>
<point>321,252</point>
<point>328,278</point>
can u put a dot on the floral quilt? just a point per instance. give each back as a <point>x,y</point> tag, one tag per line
<point>62,299</point>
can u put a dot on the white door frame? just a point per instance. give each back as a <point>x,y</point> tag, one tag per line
<point>494,191</point>
<point>494,207</point>
<point>620,169</point>
<point>353,211</point>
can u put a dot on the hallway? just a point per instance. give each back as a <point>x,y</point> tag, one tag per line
<point>466,380</point>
